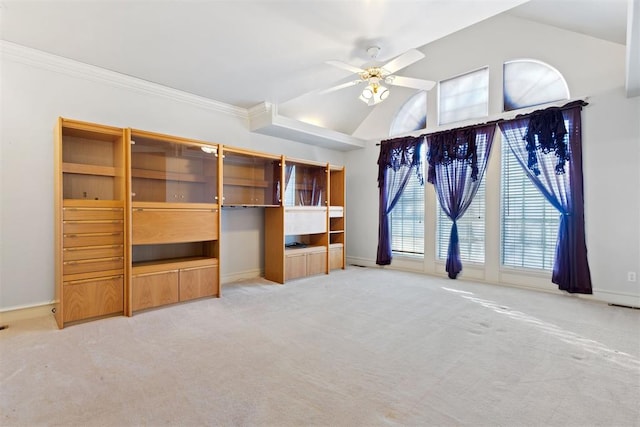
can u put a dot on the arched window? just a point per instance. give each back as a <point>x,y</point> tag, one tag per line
<point>527,82</point>
<point>411,116</point>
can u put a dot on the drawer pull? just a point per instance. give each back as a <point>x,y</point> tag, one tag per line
<point>87,261</point>
<point>84,248</point>
<point>154,273</point>
<point>117,233</point>
<point>78,282</point>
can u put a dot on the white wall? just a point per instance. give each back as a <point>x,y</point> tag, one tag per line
<point>611,151</point>
<point>36,89</point>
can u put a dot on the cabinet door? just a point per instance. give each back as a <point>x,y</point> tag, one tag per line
<point>295,266</point>
<point>84,299</point>
<point>316,263</point>
<point>154,289</point>
<point>305,221</point>
<point>198,282</point>
<point>336,258</point>
<point>174,225</point>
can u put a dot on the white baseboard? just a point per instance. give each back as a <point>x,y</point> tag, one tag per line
<point>14,314</point>
<point>242,275</point>
<point>530,282</point>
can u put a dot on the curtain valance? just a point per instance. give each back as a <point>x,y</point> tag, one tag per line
<point>398,152</point>
<point>457,160</point>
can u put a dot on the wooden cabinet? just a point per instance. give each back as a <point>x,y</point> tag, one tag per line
<point>159,283</point>
<point>305,262</point>
<point>175,220</point>
<point>298,234</point>
<point>250,178</point>
<point>90,225</point>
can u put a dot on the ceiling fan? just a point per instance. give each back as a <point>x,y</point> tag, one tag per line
<point>375,92</point>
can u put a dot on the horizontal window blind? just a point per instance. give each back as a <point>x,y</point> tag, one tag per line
<point>471,230</point>
<point>407,219</point>
<point>529,222</point>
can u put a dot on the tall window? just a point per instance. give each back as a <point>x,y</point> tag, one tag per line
<point>470,230</point>
<point>529,224</point>
<point>464,97</point>
<point>407,218</point>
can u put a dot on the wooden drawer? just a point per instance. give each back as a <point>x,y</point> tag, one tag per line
<point>154,289</point>
<point>92,239</point>
<point>97,226</point>
<point>87,214</point>
<point>174,225</point>
<point>84,299</point>
<point>82,253</point>
<point>92,265</point>
<point>198,282</point>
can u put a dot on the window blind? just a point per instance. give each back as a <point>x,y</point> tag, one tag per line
<point>407,220</point>
<point>471,229</point>
<point>464,97</point>
<point>529,222</point>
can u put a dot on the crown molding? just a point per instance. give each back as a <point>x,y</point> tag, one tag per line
<point>58,64</point>
<point>263,118</point>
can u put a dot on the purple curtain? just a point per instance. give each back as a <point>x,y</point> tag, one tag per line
<point>398,159</point>
<point>457,161</point>
<point>544,142</point>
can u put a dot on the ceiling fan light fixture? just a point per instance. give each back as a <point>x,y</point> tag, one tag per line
<point>374,94</point>
<point>367,93</point>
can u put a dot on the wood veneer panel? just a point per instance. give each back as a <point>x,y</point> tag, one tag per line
<point>93,298</point>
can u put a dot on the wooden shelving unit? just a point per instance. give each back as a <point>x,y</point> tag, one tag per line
<point>90,223</point>
<point>299,238</point>
<point>138,217</point>
<point>175,220</point>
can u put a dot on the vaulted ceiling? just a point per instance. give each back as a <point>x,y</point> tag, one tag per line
<point>244,53</point>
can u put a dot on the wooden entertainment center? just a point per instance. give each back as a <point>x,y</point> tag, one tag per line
<point>137,217</point>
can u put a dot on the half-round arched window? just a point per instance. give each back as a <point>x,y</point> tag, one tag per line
<point>527,82</point>
<point>411,116</point>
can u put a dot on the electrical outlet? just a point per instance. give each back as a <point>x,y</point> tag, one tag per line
<point>631,276</point>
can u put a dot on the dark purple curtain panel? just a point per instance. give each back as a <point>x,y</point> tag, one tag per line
<point>548,145</point>
<point>398,159</point>
<point>457,162</point>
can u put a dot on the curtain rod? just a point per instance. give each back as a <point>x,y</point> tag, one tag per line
<point>505,115</point>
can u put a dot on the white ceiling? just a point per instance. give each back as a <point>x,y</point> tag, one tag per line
<point>246,52</point>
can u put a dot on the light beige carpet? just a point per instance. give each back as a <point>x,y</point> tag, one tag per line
<point>361,347</point>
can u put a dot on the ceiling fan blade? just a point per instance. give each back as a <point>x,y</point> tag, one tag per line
<point>346,66</point>
<point>404,60</point>
<point>410,82</point>
<point>340,86</point>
